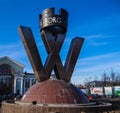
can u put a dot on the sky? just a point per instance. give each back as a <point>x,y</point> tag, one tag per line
<point>98,21</point>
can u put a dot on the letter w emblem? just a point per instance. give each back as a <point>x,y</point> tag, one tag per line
<point>53,46</point>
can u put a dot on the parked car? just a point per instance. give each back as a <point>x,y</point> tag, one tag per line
<point>93,96</point>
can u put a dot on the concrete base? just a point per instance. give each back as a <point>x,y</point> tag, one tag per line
<point>19,107</point>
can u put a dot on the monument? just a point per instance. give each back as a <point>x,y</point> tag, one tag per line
<point>53,29</point>
<point>52,96</point>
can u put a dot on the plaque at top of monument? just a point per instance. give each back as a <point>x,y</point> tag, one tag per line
<point>57,23</point>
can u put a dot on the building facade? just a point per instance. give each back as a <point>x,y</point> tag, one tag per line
<point>12,78</point>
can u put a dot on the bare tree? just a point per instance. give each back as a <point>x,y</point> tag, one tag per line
<point>96,78</point>
<point>112,76</point>
<point>87,80</point>
<point>105,78</point>
<point>117,79</point>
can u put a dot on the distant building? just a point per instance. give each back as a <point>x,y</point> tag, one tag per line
<point>95,84</point>
<point>12,77</point>
<point>103,87</point>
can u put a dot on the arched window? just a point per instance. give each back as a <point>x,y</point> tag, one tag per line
<point>6,79</point>
<point>5,70</point>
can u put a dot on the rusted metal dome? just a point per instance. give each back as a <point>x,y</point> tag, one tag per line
<point>54,92</point>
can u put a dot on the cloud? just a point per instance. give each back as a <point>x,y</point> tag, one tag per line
<point>98,39</point>
<point>95,66</point>
<point>98,68</point>
<point>94,43</point>
<point>80,75</point>
<point>102,56</point>
<point>100,59</point>
<point>96,36</point>
<point>15,50</point>
<point>8,47</point>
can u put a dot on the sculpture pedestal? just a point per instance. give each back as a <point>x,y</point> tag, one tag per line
<point>54,92</point>
<point>54,96</point>
<point>19,107</point>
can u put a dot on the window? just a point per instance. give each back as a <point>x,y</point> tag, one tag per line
<point>6,79</point>
<point>33,81</point>
<point>27,83</point>
<point>4,70</point>
<point>18,84</point>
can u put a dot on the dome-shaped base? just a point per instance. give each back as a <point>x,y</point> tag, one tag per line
<point>54,92</point>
